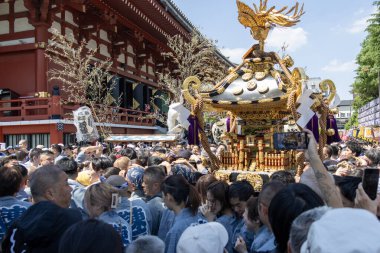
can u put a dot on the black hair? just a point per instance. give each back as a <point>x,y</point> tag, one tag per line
<point>7,159</point>
<point>100,163</point>
<point>21,155</point>
<point>154,160</point>
<point>68,147</point>
<point>128,152</point>
<point>335,149</point>
<point>253,209</point>
<point>10,181</point>
<point>285,207</point>
<point>283,176</point>
<point>142,157</point>
<point>35,152</point>
<point>233,177</point>
<point>68,165</point>
<point>329,150</point>
<point>112,157</point>
<point>91,236</point>
<point>159,149</point>
<point>354,147</point>
<point>155,174</point>
<point>197,175</point>
<point>219,191</point>
<point>57,148</point>
<point>242,190</point>
<point>182,191</point>
<point>193,163</point>
<point>110,171</point>
<point>347,186</point>
<point>22,169</point>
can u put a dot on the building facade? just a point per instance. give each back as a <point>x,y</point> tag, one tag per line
<point>345,111</point>
<point>131,33</point>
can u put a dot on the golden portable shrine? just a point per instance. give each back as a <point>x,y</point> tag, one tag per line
<point>261,96</point>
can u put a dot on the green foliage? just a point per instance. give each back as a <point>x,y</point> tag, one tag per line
<point>365,87</point>
<point>352,122</point>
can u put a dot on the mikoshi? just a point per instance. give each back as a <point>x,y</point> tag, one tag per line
<point>262,95</point>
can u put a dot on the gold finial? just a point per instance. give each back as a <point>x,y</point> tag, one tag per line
<point>262,19</point>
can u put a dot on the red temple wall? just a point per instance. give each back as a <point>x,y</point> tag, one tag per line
<point>18,72</point>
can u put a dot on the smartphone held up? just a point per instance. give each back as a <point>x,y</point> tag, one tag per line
<point>290,141</point>
<point>370,182</point>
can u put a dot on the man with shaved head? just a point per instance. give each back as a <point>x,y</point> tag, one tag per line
<point>41,226</point>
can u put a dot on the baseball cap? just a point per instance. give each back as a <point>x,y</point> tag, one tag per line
<point>209,237</point>
<point>344,230</point>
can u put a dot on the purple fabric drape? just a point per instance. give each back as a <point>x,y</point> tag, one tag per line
<point>314,126</point>
<point>228,124</point>
<point>331,123</point>
<point>194,128</point>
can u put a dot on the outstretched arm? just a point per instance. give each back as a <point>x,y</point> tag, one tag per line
<point>326,183</point>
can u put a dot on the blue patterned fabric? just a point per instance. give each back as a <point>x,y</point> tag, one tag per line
<point>182,221</point>
<point>156,207</point>
<point>10,210</point>
<point>166,223</point>
<point>135,175</point>
<point>119,224</point>
<point>23,196</point>
<point>141,216</point>
<point>185,171</point>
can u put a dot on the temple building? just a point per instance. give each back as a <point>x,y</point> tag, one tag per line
<point>133,33</point>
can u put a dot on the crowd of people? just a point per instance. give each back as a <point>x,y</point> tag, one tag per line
<point>159,198</point>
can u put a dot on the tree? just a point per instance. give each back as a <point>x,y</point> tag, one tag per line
<point>84,79</point>
<point>191,57</point>
<point>366,85</point>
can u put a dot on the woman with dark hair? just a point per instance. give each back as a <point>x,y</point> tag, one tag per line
<point>100,201</point>
<point>202,185</point>
<point>91,236</point>
<point>183,199</point>
<point>285,207</point>
<point>218,208</point>
<point>100,164</point>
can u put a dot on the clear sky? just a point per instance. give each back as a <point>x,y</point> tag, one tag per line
<point>325,42</point>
